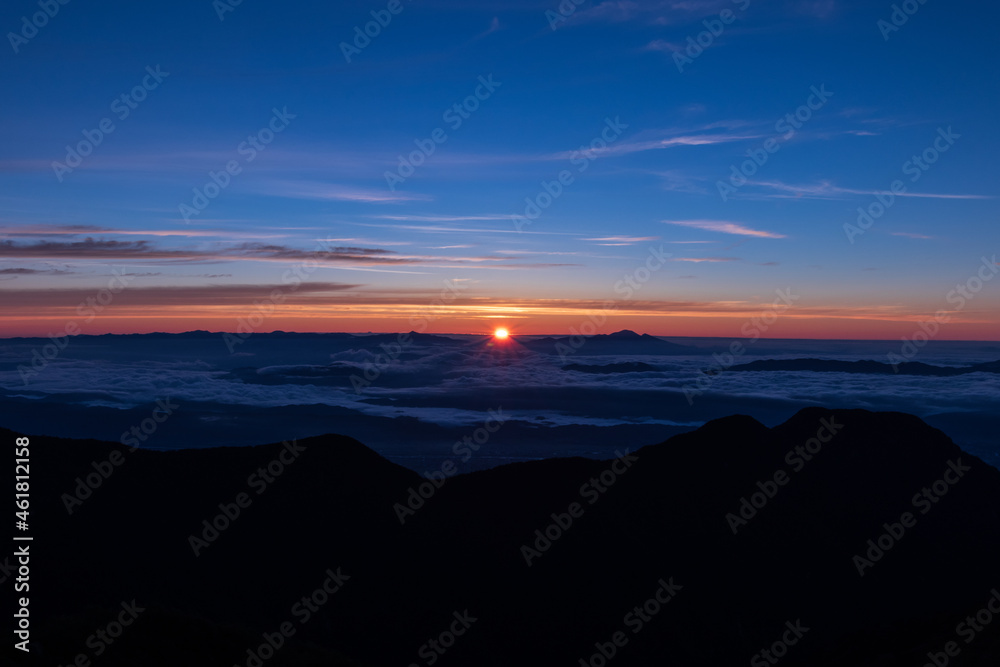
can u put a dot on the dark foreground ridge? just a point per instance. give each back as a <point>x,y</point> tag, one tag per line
<point>730,545</point>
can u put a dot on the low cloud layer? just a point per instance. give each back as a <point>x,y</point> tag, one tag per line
<point>453,382</point>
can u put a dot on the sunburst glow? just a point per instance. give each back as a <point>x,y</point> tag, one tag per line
<point>501,334</point>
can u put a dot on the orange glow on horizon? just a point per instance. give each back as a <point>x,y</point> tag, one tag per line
<point>733,320</point>
<point>501,334</point>
<point>710,326</point>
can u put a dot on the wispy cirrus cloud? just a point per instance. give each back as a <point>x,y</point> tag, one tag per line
<point>495,26</point>
<point>343,257</point>
<point>643,145</point>
<point>651,12</point>
<point>822,9</point>
<point>442,218</point>
<point>42,231</point>
<point>364,241</point>
<point>725,227</point>
<point>622,240</point>
<point>827,190</point>
<point>104,250</point>
<point>698,260</point>
<point>543,252</point>
<point>441,229</point>
<point>506,267</point>
<point>338,192</point>
<point>183,161</point>
<point>911,235</point>
<point>285,253</point>
<point>664,46</point>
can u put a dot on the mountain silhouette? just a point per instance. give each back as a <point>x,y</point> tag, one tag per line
<point>623,342</point>
<point>706,549</point>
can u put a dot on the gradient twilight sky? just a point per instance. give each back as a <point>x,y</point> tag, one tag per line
<point>387,253</point>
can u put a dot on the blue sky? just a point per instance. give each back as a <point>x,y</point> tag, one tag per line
<point>655,187</point>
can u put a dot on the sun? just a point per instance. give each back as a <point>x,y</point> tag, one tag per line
<point>501,334</point>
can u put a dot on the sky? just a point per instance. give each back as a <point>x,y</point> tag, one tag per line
<point>666,167</point>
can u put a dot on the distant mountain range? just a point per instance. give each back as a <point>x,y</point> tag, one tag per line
<point>621,342</point>
<point>708,549</point>
<point>869,367</point>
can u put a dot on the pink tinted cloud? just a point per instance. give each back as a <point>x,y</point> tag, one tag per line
<point>725,227</point>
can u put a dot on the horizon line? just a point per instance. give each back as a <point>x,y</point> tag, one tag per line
<point>513,336</point>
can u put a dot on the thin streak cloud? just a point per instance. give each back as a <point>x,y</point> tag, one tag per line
<point>827,190</point>
<point>725,228</point>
